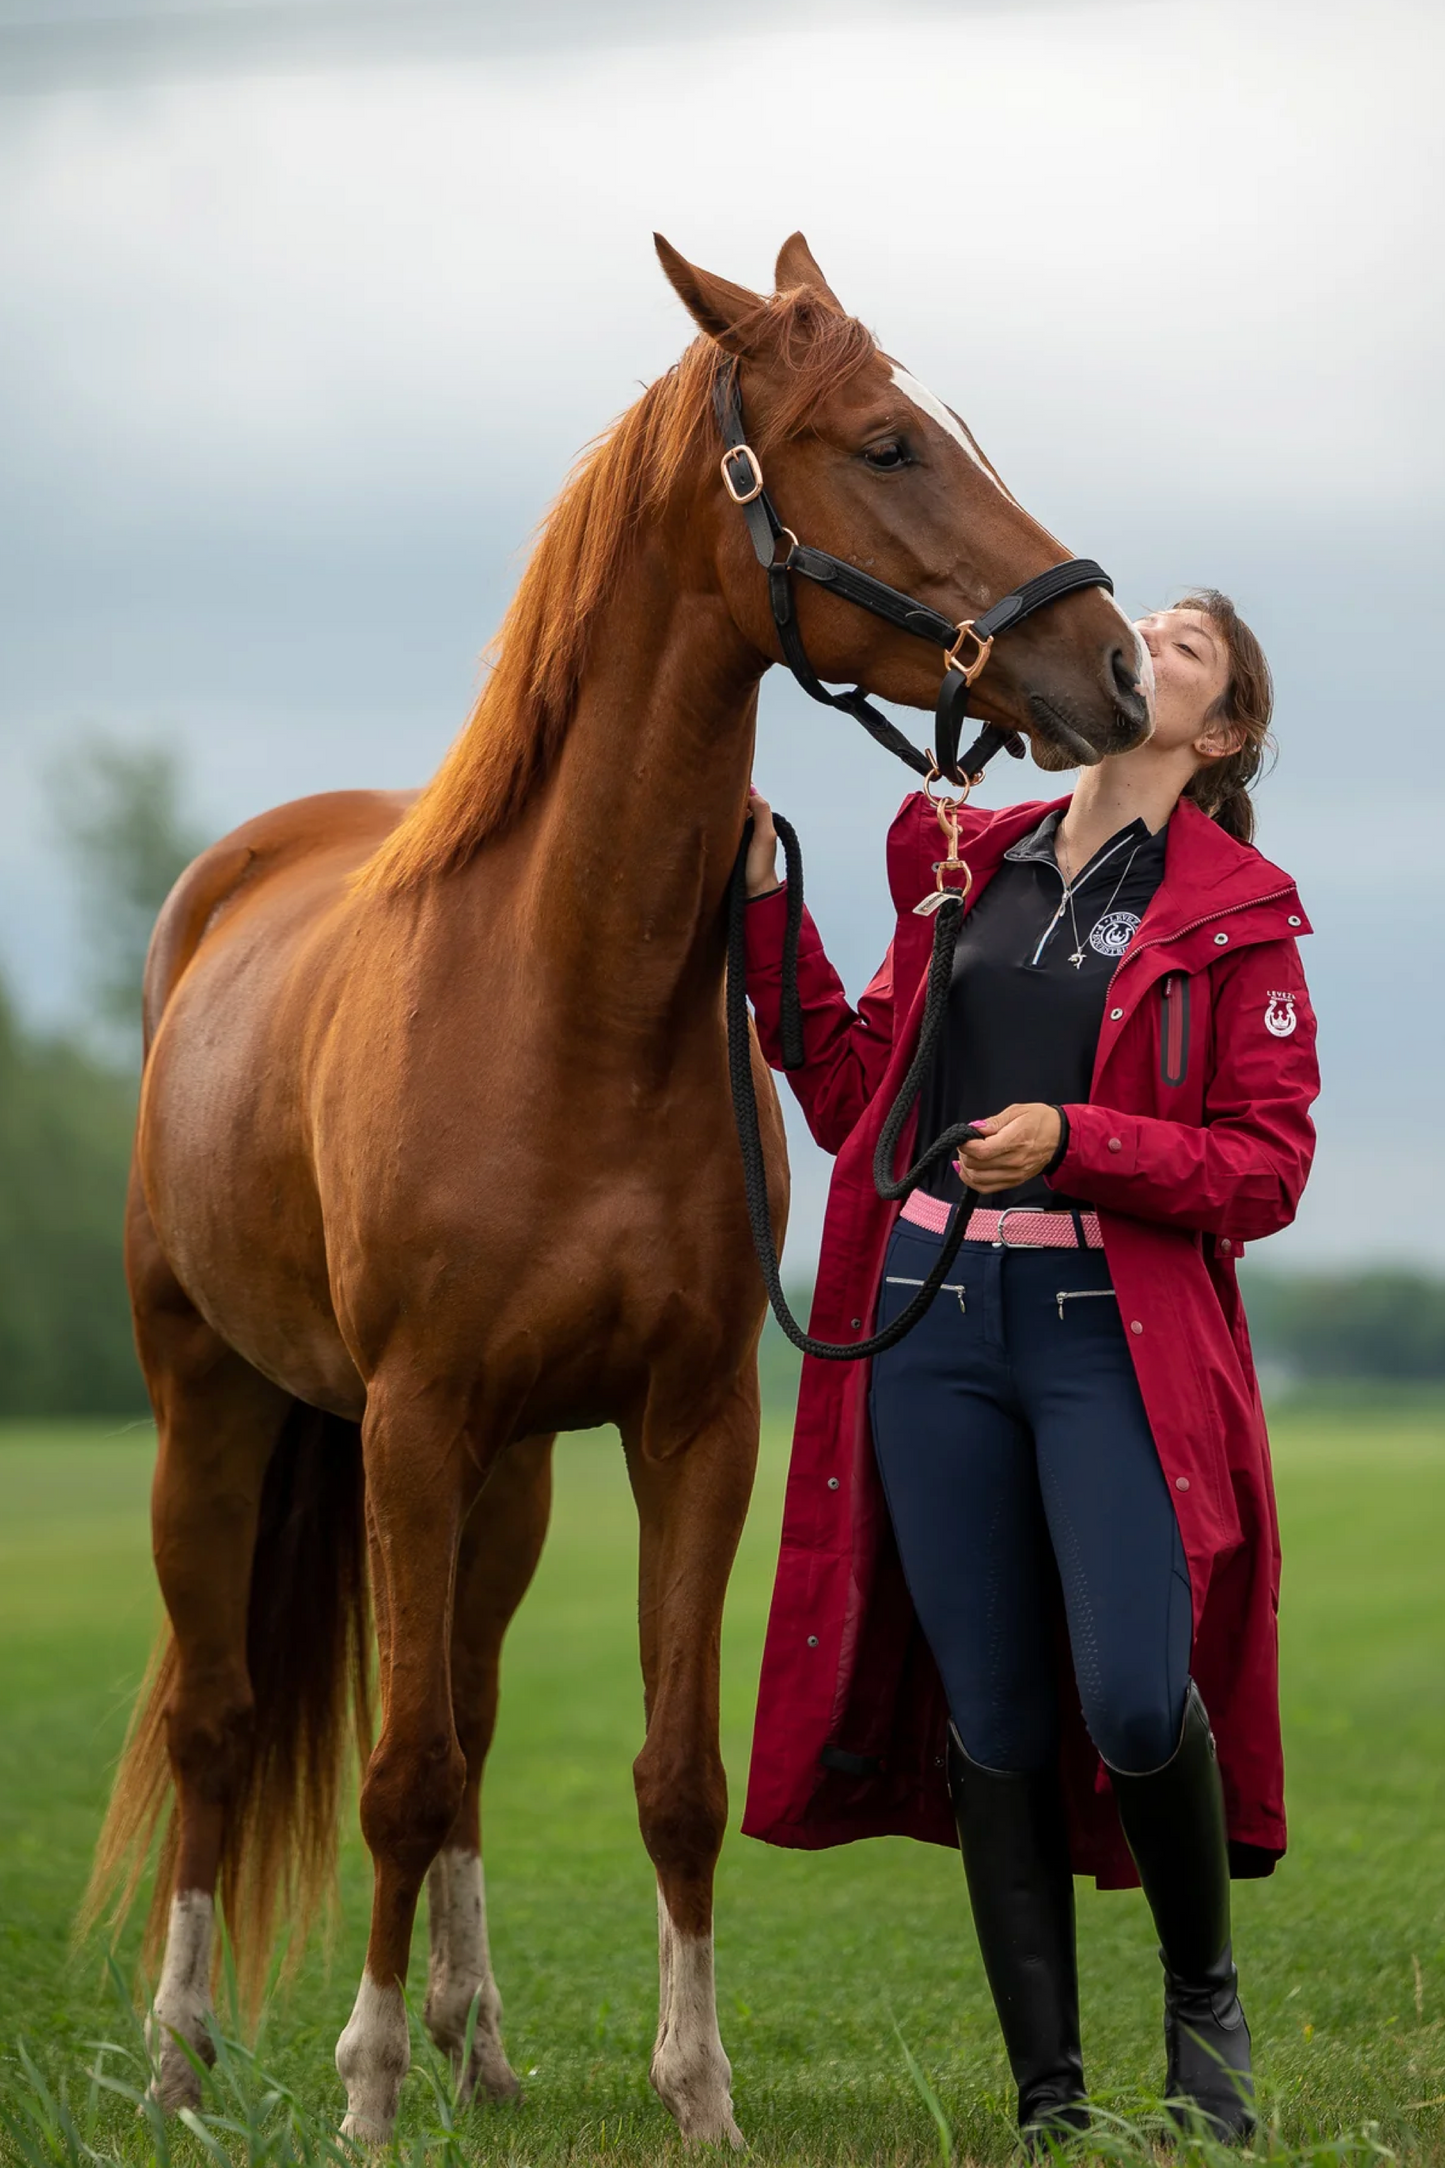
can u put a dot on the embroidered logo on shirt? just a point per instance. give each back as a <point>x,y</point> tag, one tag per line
<point>1114,932</point>
<point>1279,1016</point>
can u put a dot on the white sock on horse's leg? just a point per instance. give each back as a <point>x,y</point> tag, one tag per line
<point>373,2055</point>
<point>183,2002</point>
<point>690,2071</point>
<point>461,1968</point>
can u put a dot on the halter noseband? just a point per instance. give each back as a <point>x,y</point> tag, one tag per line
<point>967,646</point>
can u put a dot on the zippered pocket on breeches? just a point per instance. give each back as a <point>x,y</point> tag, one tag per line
<point>896,1279</point>
<point>1083,1294</point>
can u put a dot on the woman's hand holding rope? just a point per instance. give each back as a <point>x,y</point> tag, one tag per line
<point>1016,1145</point>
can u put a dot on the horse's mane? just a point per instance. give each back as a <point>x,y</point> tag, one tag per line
<point>512,738</point>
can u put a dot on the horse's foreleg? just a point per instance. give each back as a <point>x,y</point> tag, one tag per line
<point>420,1481</point>
<point>500,1546</point>
<point>692,1497</point>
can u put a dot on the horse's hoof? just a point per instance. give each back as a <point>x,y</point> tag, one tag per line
<point>725,2132</point>
<point>363,2131</point>
<point>492,2076</point>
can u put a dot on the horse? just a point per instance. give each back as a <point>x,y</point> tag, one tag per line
<point>434,1160</point>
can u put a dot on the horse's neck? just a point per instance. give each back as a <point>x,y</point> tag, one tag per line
<point>640,823</point>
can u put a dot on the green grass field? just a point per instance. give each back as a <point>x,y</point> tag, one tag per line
<point>819,1958</point>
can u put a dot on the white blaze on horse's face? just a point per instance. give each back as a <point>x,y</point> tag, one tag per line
<point>948,421</point>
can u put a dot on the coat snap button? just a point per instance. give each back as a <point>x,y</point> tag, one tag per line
<point>1181,1482</point>
<point>832,1482</point>
<point>1135,1325</point>
<point>857,1324</point>
<point>1295,920</point>
<point>812,1641</point>
<point>1116,1144</point>
<point>1225,1244</point>
<point>1220,939</point>
<point>1114,1015</point>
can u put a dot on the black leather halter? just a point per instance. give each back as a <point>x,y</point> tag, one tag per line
<point>743,479</point>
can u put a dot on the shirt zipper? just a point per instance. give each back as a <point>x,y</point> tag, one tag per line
<point>1086,875</point>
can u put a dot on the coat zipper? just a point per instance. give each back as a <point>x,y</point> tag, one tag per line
<point>1174,1028</point>
<point>1276,895</point>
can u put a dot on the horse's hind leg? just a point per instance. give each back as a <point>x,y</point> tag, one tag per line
<point>218,1421</point>
<point>500,1546</point>
<point>692,1497</point>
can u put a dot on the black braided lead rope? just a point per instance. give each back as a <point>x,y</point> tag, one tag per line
<point>745,1103</point>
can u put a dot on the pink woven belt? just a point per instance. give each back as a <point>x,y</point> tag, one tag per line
<point>1015,1228</point>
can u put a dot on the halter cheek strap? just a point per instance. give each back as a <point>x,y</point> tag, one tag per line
<point>966,646</point>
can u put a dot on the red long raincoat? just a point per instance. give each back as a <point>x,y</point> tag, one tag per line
<point>1196,1139</point>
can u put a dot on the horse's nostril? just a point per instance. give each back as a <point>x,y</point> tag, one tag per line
<point>1126,675</point>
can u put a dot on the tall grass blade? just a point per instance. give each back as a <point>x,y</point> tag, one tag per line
<point>930,2100</point>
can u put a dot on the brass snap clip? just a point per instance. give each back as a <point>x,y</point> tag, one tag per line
<point>953,660</point>
<point>947,811</point>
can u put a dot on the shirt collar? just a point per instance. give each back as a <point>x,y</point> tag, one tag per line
<point>1037,848</point>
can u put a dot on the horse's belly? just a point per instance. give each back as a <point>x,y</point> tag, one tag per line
<point>234,1205</point>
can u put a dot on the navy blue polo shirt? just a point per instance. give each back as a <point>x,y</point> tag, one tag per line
<point>1031,973</point>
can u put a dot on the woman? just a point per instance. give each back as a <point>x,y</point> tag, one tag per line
<point>1076,1507</point>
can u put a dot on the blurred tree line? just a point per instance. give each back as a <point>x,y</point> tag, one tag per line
<point>67,1106</point>
<point>67,1102</point>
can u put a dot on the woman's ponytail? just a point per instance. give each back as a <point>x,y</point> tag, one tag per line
<point>1221,787</point>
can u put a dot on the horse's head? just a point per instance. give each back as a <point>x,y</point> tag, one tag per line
<point>861,460</point>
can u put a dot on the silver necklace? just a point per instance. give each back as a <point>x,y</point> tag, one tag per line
<point>1077,959</point>
<point>1066,901</point>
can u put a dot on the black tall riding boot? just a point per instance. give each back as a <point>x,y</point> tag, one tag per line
<point>1174,1821</point>
<point>1015,1854</point>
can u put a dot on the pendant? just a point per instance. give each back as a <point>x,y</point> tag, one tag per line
<point>1077,959</point>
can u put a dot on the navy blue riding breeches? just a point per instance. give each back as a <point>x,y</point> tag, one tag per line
<point>1017,1461</point>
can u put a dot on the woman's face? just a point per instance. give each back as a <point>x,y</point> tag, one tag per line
<point>1191,672</point>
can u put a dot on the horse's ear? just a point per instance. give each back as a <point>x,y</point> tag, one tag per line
<point>715,305</point>
<point>797,266</point>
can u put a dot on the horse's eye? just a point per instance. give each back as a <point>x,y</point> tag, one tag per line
<point>886,457</point>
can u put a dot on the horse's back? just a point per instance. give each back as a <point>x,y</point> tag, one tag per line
<point>321,839</point>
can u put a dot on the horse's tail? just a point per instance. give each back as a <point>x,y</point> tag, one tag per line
<point>308,1652</point>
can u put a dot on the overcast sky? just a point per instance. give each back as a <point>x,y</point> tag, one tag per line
<point>308,308</point>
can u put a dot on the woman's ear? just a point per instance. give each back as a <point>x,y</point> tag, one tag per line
<point>1219,739</point>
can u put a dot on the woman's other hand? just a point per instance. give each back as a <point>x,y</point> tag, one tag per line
<point>762,867</point>
<point>1017,1145</point>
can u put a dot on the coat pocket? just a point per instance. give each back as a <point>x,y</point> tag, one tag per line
<point>1174,1028</point>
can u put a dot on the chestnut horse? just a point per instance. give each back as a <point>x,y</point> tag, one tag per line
<point>435,1158</point>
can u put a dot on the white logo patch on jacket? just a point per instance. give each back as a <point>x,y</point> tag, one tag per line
<point>1279,1016</point>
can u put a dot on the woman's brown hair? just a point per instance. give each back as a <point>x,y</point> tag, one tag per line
<point>1221,787</point>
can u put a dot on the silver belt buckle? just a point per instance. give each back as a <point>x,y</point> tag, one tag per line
<point>1000,1239</point>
